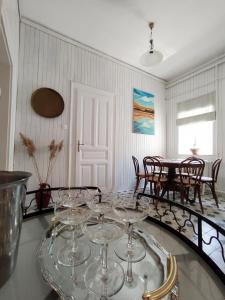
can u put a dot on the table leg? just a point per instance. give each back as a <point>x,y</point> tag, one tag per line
<point>169,186</point>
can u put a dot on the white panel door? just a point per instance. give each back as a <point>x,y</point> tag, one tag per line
<point>91,134</point>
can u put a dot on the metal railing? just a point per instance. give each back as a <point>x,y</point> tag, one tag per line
<point>195,223</point>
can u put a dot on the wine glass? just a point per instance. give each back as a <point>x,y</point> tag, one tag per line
<point>106,278</point>
<point>100,203</point>
<point>69,211</point>
<point>130,210</point>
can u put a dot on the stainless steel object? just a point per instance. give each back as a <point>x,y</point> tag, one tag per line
<point>12,197</point>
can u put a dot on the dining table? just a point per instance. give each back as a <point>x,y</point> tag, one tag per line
<point>172,165</point>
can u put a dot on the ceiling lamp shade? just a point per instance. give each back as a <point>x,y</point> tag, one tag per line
<point>151,57</point>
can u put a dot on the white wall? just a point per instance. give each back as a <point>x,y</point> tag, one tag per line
<point>197,84</point>
<point>48,59</point>
<point>10,23</point>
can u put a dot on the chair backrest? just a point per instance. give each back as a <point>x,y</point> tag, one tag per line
<point>215,169</point>
<point>191,170</point>
<point>153,167</point>
<point>158,156</point>
<point>136,165</point>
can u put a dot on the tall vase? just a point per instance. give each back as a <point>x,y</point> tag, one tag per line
<point>43,197</point>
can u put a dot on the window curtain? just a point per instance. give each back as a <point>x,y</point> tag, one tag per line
<point>198,109</point>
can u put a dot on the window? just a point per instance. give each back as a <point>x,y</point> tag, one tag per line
<point>196,122</point>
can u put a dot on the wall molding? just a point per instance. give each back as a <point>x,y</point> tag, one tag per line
<point>76,43</point>
<point>197,71</point>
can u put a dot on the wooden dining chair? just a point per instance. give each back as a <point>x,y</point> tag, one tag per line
<point>211,181</point>
<point>139,175</point>
<point>154,174</point>
<point>163,168</point>
<point>189,176</point>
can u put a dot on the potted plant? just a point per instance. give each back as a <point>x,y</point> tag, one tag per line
<point>42,197</point>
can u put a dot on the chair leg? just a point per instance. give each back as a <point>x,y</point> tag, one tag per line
<point>168,194</point>
<point>187,194</point>
<point>212,187</point>
<point>200,200</point>
<point>182,196</point>
<point>151,189</point>
<point>157,192</point>
<point>137,183</point>
<point>146,182</point>
<point>163,192</point>
<point>195,192</point>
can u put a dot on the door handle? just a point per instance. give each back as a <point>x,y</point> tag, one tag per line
<point>78,145</point>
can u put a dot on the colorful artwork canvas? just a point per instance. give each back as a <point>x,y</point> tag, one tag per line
<point>143,112</point>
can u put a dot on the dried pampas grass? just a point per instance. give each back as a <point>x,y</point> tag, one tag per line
<point>54,150</point>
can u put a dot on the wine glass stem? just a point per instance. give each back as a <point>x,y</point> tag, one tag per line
<point>75,245</point>
<point>129,277</point>
<point>129,253</point>
<point>104,270</point>
<point>130,238</point>
<point>104,258</point>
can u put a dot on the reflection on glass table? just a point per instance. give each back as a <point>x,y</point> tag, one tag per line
<point>69,281</point>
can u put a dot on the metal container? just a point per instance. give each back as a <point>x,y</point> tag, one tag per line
<point>12,197</point>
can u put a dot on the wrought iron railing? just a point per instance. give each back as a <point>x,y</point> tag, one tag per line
<point>200,231</point>
<point>175,217</point>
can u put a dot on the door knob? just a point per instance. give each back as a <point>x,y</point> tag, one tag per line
<point>78,145</point>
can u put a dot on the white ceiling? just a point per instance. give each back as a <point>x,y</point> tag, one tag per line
<point>187,32</point>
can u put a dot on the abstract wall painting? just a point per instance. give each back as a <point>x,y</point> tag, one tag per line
<point>143,112</point>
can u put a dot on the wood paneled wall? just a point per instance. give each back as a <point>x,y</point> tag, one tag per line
<point>48,59</point>
<point>205,81</point>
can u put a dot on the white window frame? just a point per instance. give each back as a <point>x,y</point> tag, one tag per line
<point>215,139</point>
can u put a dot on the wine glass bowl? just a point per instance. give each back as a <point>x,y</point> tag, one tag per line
<point>130,211</point>
<point>99,203</point>
<point>72,216</point>
<point>105,233</point>
<point>73,197</point>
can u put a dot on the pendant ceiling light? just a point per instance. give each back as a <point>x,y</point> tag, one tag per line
<point>151,57</point>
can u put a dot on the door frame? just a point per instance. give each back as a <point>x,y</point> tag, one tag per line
<point>9,64</point>
<point>72,141</point>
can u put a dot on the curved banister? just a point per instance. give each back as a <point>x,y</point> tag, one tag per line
<point>167,286</point>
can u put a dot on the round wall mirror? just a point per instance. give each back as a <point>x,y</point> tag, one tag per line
<point>47,103</point>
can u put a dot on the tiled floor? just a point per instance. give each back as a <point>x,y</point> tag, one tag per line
<point>196,280</point>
